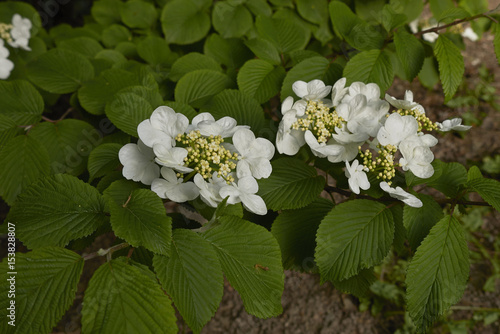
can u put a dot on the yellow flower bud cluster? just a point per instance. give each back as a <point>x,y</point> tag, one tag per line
<point>424,123</point>
<point>383,165</point>
<point>320,119</point>
<point>206,155</point>
<point>5,32</point>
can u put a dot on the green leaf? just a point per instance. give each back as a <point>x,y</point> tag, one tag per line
<point>264,50</point>
<point>231,20</point>
<point>155,51</point>
<point>251,264</point>
<point>370,66</point>
<point>343,19</point>
<point>419,221</point>
<point>474,173</point>
<point>355,235</point>
<point>192,276</point>
<point>191,62</point>
<point>244,109</point>
<point>141,221</point>
<point>95,93</point>
<point>231,52</point>
<point>8,130</point>
<point>358,285</point>
<point>196,88</point>
<point>106,12</point>
<point>451,65</point>
<point>127,110</point>
<point>112,56</point>
<point>310,69</point>
<point>21,102</point>
<point>411,8</point>
<point>115,34</point>
<point>22,161</point>
<point>182,108</point>
<point>103,159</point>
<point>295,231</point>
<point>185,21</point>
<point>448,178</point>
<point>453,13</point>
<point>315,11</point>
<point>292,185</point>
<point>366,36</point>
<point>259,7</point>
<point>124,298</point>
<point>391,19</point>
<point>410,52</point>
<point>429,74</point>
<point>496,41</point>
<point>438,7</point>
<point>488,189</point>
<point>138,14</point>
<point>437,275</point>
<point>55,210</point>
<point>260,80</point>
<point>45,283</point>
<point>60,71</point>
<point>68,143</point>
<point>286,35</point>
<point>85,46</point>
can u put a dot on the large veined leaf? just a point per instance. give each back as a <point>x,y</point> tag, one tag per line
<point>295,231</point>
<point>438,7</point>
<point>96,93</point>
<point>449,177</point>
<point>8,130</point>
<point>310,69</point>
<point>260,80</point>
<point>286,34</point>
<point>105,11</point>
<point>138,14</point>
<point>142,221</point>
<point>68,143</point>
<point>451,65</point>
<point>155,51</point>
<point>259,7</point>
<point>370,66</point>
<point>22,161</point>
<point>21,102</point>
<point>55,210</point>
<point>315,11</point>
<point>197,87</point>
<point>410,52</point>
<point>125,298</point>
<point>251,264</point>
<point>45,286</point>
<point>488,189</point>
<point>127,110</point>
<point>343,19</point>
<point>355,235</point>
<point>419,221</point>
<point>231,52</point>
<point>244,109</point>
<point>192,276</point>
<point>264,50</point>
<point>103,159</point>
<point>191,62</point>
<point>437,275</point>
<point>115,34</point>
<point>411,8</point>
<point>292,185</point>
<point>185,21</point>
<point>60,71</point>
<point>231,20</point>
<point>358,285</point>
<point>85,46</point>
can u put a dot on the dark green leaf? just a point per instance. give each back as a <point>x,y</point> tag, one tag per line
<point>138,14</point>
<point>103,159</point>
<point>191,62</point>
<point>370,66</point>
<point>127,110</point>
<point>231,20</point>
<point>185,21</point>
<point>21,102</point>
<point>410,52</point>
<point>260,80</point>
<point>451,65</point>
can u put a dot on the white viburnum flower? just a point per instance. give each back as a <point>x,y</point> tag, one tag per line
<point>174,188</point>
<point>370,91</point>
<point>254,154</point>
<point>406,104</point>
<point>138,162</point>
<point>288,140</point>
<point>417,156</point>
<point>209,190</point>
<point>357,176</point>
<point>244,192</point>
<point>20,32</point>
<point>314,90</point>
<point>470,34</point>
<point>322,150</point>
<point>162,127</point>
<point>454,124</point>
<point>339,90</point>
<point>401,195</point>
<point>172,157</point>
<point>396,129</point>
<point>206,123</point>
<point>6,65</point>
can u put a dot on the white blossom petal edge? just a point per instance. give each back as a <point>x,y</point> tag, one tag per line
<point>401,195</point>
<point>173,188</point>
<point>357,176</point>
<point>138,163</point>
<point>255,154</point>
<point>454,124</point>
<point>244,192</point>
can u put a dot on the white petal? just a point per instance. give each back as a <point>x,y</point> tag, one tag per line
<point>254,203</point>
<point>248,185</point>
<point>182,192</point>
<point>300,88</point>
<point>232,192</point>
<point>242,139</point>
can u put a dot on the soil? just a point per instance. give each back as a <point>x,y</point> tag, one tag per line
<point>309,307</point>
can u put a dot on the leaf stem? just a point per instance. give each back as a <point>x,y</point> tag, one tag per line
<point>105,252</point>
<point>436,29</point>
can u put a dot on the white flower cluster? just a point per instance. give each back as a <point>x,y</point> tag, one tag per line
<point>431,37</point>
<point>207,158</point>
<point>336,122</point>
<point>17,35</point>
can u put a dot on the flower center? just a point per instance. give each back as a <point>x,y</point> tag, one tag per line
<point>424,123</point>
<point>320,119</point>
<point>4,31</point>
<point>383,165</point>
<point>206,155</point>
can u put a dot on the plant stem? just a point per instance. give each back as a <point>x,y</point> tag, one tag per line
<point>474,308</point>
<point>103,252</point>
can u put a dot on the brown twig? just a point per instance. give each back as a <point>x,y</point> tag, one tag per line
<point>103,252</point>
